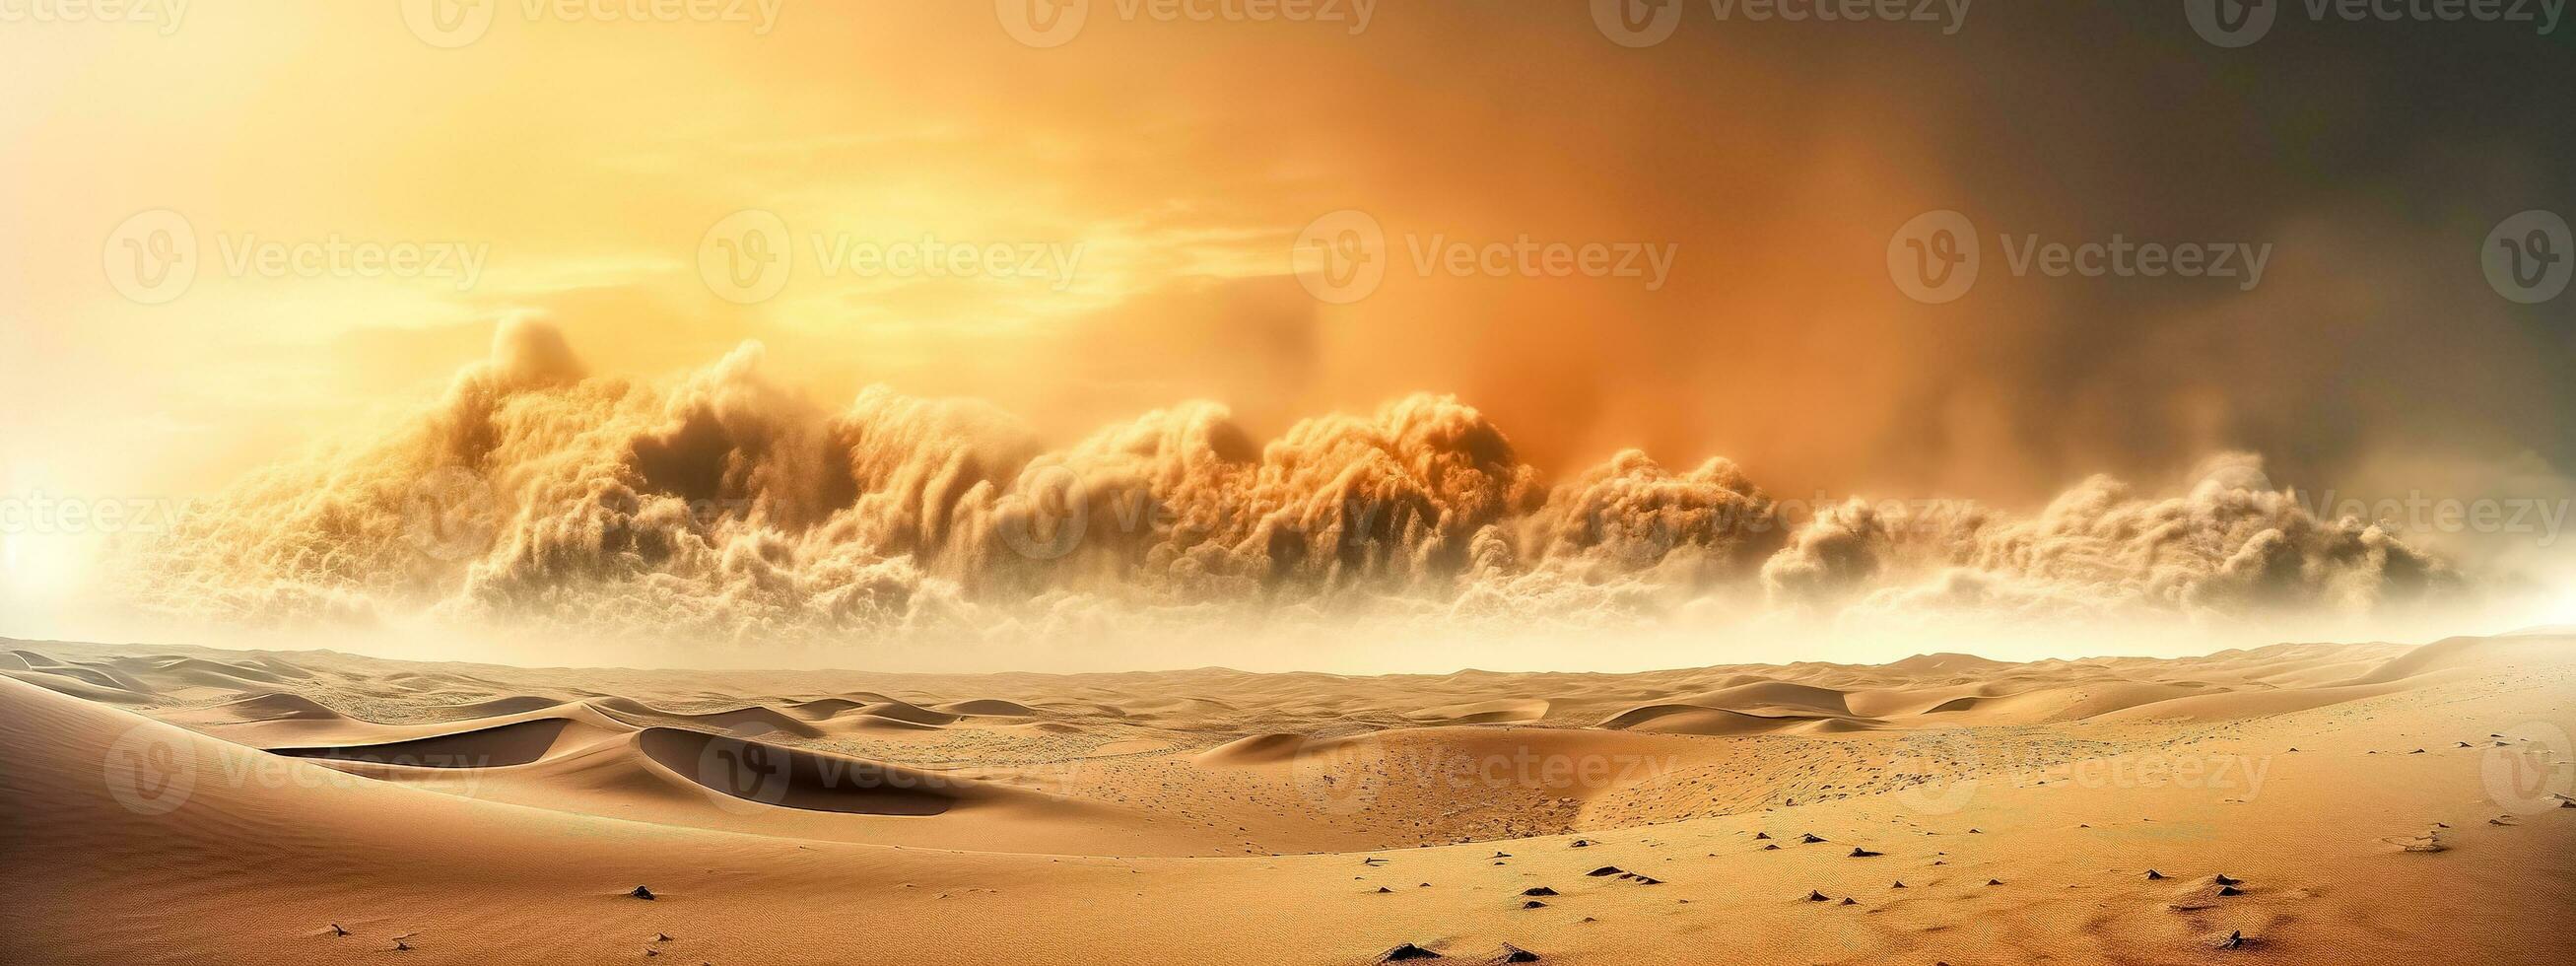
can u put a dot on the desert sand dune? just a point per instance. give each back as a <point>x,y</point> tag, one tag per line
<point>1502,711</point>
<point>788,778</point>
<point>1693,719</point>
<point>495,707</point>
<point>822,709</point>
<point>1976,811</point>
<point>2484,654</point>
<point>264,706</point>
<point>1253,750</point>
<point>907,713</point>
<point>754,720</point>
<point>101,676</point>
<point>986,708</point>
<point>79,686</point>
<point>517,743</point>
<point>174,672</point>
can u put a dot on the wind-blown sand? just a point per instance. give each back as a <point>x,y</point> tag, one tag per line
<point>196,806</point>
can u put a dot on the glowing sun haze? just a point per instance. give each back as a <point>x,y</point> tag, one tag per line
<point>1455,469</point>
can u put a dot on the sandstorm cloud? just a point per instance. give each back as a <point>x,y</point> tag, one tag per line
<point>720,507</point>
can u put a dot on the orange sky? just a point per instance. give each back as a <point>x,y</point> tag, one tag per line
<point>1182,159</point>
<point>586,159</point>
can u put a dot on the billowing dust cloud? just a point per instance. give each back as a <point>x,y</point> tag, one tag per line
<point>721,507</point>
